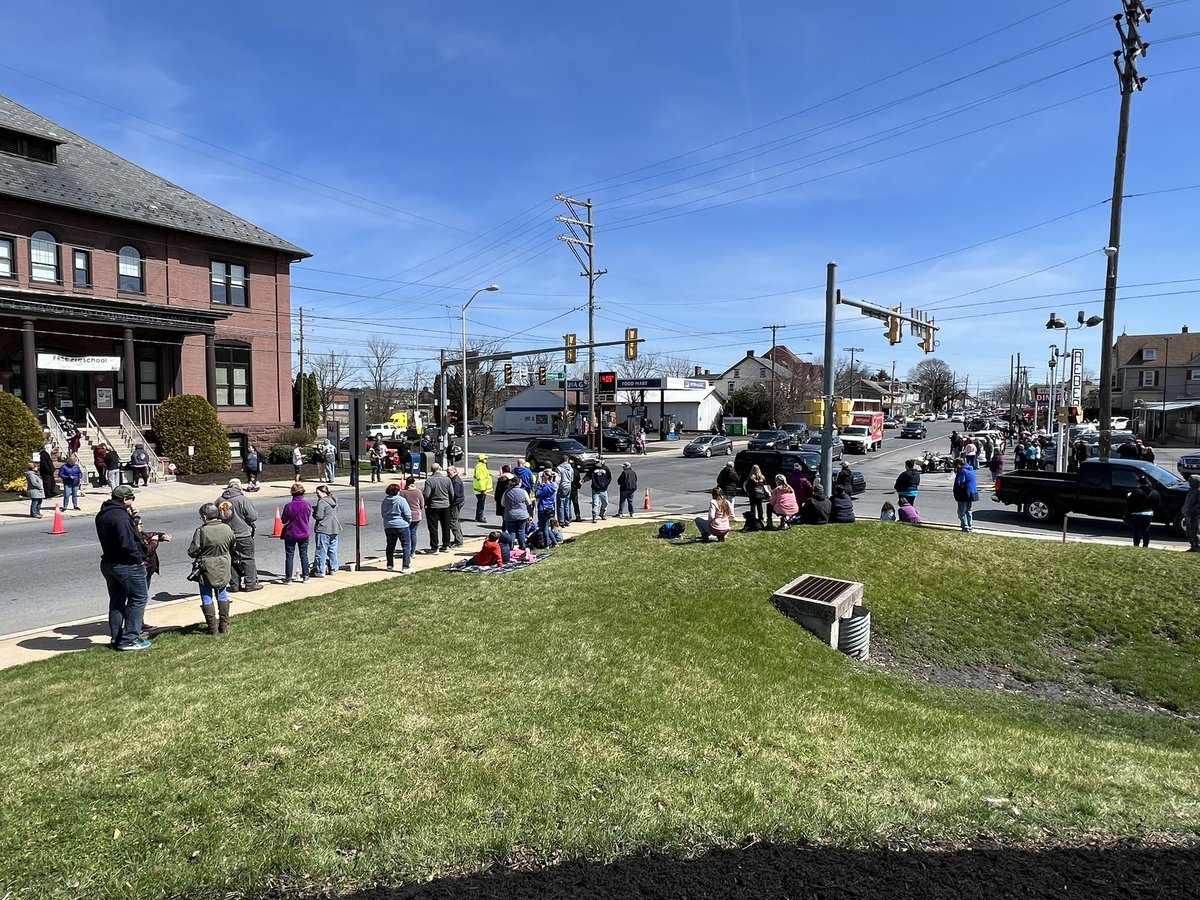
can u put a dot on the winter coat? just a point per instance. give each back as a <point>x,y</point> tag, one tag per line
<point>600,478</point>
<point>139,459</point>
<point>211,546</point>
<point>627,480</point>
<point>297,519</point>
<point>326,516</point>
<point>841,510</point>
<point>481,478</point>
<point>964,485</point>
<point>416,503</point>
<point>237,512</point>
<point>547,495</point>
<point>36,489</point>
<point>395,511</point>
<point>46,470</point>
<point>70,475</point>
<point>100,457</point>
<point>120,543</point>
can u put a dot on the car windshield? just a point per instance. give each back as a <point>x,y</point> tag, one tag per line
<point>707,439</point>
<point>1168,479</point>
<point>571,447</point>
<point>769,435</point>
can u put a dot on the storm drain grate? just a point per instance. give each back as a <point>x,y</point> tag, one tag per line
<point>822,590</point>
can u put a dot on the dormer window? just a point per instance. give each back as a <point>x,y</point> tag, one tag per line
<point>1149,354</point>
<point>28,146</point>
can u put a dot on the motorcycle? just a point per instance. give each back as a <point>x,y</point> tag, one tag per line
<point>934,462</point>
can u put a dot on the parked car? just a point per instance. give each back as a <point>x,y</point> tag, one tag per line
<point>775,462</point>
<point>889,422</point>
<point>913,429</point>
<point>799,432</point>
<point>1188,465</point>
<point>770,440</point>
<point>815,443</point>
<point>474,426</point>
<point>941,417</point>
<point>550,451</point>
<point>957,417</point>
<point>616,440</point>
<point>708,445</point>
<point>1099,488</point>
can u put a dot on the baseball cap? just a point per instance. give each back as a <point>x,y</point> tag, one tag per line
<point>482,456</point>
<point>122,492</point>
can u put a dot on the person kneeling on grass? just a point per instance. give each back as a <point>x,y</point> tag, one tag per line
<point>716,525</point>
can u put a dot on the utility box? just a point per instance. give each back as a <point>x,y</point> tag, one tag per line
<point>736,426</point>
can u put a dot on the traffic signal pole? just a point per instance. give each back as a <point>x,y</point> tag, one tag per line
<point>831,299</point>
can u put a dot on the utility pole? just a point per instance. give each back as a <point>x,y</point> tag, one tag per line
<point>831,299</point>
<point>892,408</point>
<point>585,237</point>
<point>1129,80</point>
<point>773,328</point>
<point>301,422</point>
<point>851,351</point>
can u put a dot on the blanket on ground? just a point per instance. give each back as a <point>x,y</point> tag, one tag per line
<point>471,569</point>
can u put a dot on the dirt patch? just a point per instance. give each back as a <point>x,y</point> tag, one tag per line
<point>1075,689</point>
<point>1147,867</point>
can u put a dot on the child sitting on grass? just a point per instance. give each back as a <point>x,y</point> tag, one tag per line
<point>888,512</point>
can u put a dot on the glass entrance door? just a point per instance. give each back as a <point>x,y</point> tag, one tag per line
<point>65,392</point>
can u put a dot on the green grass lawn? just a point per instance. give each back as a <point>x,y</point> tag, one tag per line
<point>624,694</point>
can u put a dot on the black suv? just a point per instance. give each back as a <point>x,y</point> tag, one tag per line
<point>550,451</point>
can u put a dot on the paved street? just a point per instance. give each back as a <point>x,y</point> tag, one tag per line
<point>49,580</point>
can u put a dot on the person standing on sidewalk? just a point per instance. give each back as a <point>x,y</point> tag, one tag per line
<point>252,466</point>
<point>481,483</point>
<point>297,460</point>
<point>123,565</point>
<point>99,463</point>
<point>297,529</point>
<point>240,515</point>
<point>627,485</point>
<point>397,518</point>
<point>1191,513</point>
<point>457,501</point>
<point>601,478</point>
<point>210,548</point>
<point>70,475</point>
<point>439,494</point>
<point>35,489</point>
<point>328,527</point>
<point>330,453</point>
<point>112,468</point>
<point>416,504</point>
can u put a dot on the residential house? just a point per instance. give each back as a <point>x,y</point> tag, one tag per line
<point>1156,381</point>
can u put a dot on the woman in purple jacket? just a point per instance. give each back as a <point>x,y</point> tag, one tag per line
<point>297,528</point>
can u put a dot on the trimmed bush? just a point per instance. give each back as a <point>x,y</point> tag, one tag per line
<point>280,454</point>
<point>292,437</point>
<point>189,420</point>
<point>20,437</point>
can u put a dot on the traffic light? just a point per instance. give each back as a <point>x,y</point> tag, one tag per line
<point>927,343</point>
<point>895,329</point>
<point>631,343</point>
<point>541,374</point>
<point>570,341</point>
<point>843,412</point>
<point>816,413</point>
<point>508,373</point>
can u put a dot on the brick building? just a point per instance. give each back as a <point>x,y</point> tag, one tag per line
<point>119,289</point>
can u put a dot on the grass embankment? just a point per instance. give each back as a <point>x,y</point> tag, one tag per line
<point>623,694</point>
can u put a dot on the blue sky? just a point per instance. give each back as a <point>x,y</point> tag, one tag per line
<point>952,156</point>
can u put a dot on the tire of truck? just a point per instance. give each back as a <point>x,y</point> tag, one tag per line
<point>1039,510</point>
<point>1178,526</point>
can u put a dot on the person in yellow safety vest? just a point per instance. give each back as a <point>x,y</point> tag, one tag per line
<point>481,481</point>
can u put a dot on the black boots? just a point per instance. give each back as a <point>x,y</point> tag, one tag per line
<point>210,616</point>
<point>223,608</point>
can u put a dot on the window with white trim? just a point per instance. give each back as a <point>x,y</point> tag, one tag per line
<point>131,270</point>
<point>1148,378</point>
<point>229,283</point>
<point>233,375</point>
<point>1193,374</point>
<point>43,257</point>
<point>1149,354</point>
<point>8,268</point>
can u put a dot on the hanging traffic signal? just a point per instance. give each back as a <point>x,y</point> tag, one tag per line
<point>541,374</point>
<point>843,412</point>
<point>570,353</point>
<point>895,329</point>
<point>816,413</point>
<point>508,373</point>
<point>631,343</point>
<point>927,343</point>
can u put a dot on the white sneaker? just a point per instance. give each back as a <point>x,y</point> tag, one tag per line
<point>408,571</point>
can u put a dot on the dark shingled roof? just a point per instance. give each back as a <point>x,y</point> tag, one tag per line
<point>88,177</point>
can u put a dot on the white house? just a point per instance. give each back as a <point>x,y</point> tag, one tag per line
<point>694,408</point>
<point>532,411</point>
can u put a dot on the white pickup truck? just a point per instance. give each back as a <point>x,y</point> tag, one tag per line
<point>385,431</point>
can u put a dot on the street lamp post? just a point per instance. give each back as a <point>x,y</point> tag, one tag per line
<point>1056,323</point>
<point>465,417</point>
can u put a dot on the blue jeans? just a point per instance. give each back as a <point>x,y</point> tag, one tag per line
<point>414,533</point>
<point>480,502</point>
<point>625,498</point>
<point>564,507</point>
<point>127,597</point>
<point>965,519</point>
<point>289,550</point>
<point>405,537</point>
<point>327,551</point>
<point>599,503</point>
<point>516,527</point>
<point>329,472</point>
<point>71,496</point>
<point>377,470</point>
<point>544,517</point>
<point>206,594</point>
<point>35,507</point>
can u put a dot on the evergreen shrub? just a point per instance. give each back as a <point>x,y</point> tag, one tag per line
<point>189,420</point>
<point>20,437</point>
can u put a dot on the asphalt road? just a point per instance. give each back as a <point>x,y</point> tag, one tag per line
<point>50,580</point>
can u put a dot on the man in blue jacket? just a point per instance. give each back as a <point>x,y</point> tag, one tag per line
<point>123,565</point>
<point>965,492</point>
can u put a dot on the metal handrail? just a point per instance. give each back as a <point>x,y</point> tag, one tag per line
<point>134,436</point>
<point>94,427</point>
<point>58,437</point>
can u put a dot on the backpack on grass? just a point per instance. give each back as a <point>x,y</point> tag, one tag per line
<point>671,530</point>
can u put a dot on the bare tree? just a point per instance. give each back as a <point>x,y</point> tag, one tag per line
<point>676,367</point>
<point>382,375</point>
<point>934,382</point>
<point>332,373</point>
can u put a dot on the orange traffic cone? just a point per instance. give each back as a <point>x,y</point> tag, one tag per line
<point>278,532</point>
<point>58,528</point>
<point>646,502</point>
<point>362,513</point>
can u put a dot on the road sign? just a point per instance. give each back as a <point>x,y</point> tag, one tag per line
<point>1076,377</point>
<point>575,384</point>
<point>556,376</point>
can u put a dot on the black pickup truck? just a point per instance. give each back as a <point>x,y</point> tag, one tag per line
<point>1099,488</point>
